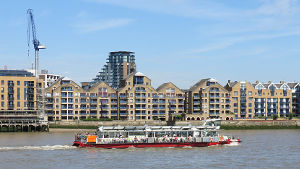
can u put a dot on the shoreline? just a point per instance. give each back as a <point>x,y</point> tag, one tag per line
<point>62,128</point>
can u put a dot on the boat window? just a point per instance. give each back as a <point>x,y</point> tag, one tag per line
<point>136,133</point>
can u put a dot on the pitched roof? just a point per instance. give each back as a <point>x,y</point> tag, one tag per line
<point>195,86</point>
<point>58,80</point>
<point>292,85</point>
<point>231,84</point>
<point>168,83</point>
<point>96,84</point>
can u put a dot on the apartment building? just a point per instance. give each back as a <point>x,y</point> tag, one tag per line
<point>118,66</point>
<point>208,99</point>
<point>295,87</point>
<point>135,100</point>
<point>260,99</point>
<point>18,98</point>
<point>63,100</point>
<point>48,78</point>
<point>169,98</point>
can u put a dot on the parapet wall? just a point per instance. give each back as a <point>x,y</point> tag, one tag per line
<point>180,123</point>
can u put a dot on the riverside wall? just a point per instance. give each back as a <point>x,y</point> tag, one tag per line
<point>178,123</point>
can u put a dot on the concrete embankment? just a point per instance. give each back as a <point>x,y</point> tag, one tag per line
<point>234,124</point>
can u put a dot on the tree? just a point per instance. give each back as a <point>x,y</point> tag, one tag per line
<point>275,116</point>
<point>290,116</point>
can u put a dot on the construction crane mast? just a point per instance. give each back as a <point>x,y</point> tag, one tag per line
<point>31,31</point>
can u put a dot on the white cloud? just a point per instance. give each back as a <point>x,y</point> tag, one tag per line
<point>267,20</point>
<point>231,41</point>
<point>99,25</point>
<point>187,8</point>
<point>278,7</point>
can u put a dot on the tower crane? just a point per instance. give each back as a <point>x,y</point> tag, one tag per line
<point>31,31</point>
<point>37,46</point>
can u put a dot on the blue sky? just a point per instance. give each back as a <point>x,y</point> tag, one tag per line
<point>181,41</point>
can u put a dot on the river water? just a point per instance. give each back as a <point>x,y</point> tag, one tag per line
<point>259,149</point>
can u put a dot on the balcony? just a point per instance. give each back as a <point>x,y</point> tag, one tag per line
<point>140,101</point>
<point>93,95</point>
<point>66,89</point>
<point>140,90</point>
<point>140,96</point>
<point>123,101</point>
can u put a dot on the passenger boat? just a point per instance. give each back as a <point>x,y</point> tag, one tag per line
<point>154,136</point>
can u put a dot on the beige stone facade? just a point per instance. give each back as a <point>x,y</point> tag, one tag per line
<point>17,93</point>
<point>260,99</point>
<point>208,99</point>
<point>136,100</point>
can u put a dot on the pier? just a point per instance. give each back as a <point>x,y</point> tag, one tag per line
<point>22,121</point>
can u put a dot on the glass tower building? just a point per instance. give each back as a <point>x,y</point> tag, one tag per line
<point>118,66</point>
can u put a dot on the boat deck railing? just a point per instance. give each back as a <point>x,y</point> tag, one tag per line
<point>151,140</point>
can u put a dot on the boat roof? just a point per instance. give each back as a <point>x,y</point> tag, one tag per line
<point>154,128</point>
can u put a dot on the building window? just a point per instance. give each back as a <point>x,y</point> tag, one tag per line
<point>250,93</point>
<point>2,89</point>
<point>138,80</point>
<point>235,105</point>
<point>235,98</point>
<point>2,82</point>
<point>18,82</point>
<point>102,92</point>
<point>235,110</point>
<point>2,97</point>
<point>250,105</point>
<point>236,93</point>
<point>250,110</point>
<point>18,104</point>
<point>2,104</point>
<point>18,93</point>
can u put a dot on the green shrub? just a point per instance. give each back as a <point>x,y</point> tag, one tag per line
<point>290,116</point>
<point>275,116</point>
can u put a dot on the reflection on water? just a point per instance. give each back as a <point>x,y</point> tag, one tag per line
<point>259,149</point>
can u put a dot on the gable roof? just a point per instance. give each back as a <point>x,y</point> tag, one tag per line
<point>195,86</point>
<point>166,84</point>
<point>97,84</point>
